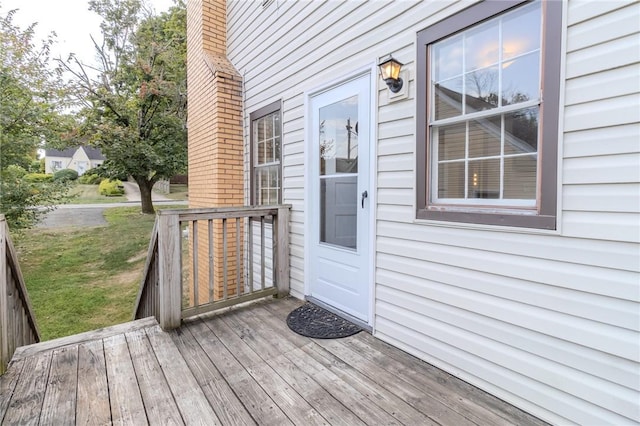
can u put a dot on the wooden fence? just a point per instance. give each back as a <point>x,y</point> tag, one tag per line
<point>17,323</point>
<point>200,260</point>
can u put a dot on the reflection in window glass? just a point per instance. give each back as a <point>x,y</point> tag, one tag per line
<point>339,137</point>
<point>481,89</point>
<point>521,132</point>
<point>446,56</point>
<point>492,65</point>
<point>521,31</point>
<point>484,137</point>
<point>492,77</point>
<point>448,99</point>
<point>521,79</point>
<point>481,46</point>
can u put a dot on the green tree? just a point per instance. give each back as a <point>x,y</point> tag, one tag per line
<point>134,101</point>
<point>30,94</point>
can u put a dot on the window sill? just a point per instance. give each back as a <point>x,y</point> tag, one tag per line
<point>484,227</point>
<point>510,220</point>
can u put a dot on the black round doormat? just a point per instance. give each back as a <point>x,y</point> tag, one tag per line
<point>312,321</point>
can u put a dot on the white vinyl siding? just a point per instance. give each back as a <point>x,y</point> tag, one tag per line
<point>548,321</point>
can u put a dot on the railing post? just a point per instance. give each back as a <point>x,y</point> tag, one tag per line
<point>281,240</point>
<point>4,303</point>
<point>170,279</point>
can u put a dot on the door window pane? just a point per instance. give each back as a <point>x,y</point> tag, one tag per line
<point>339,137</point>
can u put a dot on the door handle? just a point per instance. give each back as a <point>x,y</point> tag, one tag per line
<point>365,194</point>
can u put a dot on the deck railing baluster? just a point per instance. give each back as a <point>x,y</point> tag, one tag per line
<point>225,266</point>
<point>210,234</point>
<point>160,294</point>
<point>194,262</point>
<point>262,254</point>
<point>238,258</point>
<point>250,265</point>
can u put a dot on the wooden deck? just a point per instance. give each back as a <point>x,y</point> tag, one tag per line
<point>240,367</point>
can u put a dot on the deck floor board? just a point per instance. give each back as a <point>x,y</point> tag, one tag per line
<point>159,404</point>
<point>124,392</point>
<point>93,391</point>
<point>26,401</point>
<point>221,397</point>
<point>239,367</point>
<point>59,405</point>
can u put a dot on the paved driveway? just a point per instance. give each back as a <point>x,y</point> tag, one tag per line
<point>81,215</point>
<point>78,215</point>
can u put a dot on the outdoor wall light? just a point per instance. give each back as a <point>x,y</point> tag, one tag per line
<point>390,72</point>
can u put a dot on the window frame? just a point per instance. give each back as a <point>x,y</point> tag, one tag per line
<point>543,215</point>
<point>253,117</point>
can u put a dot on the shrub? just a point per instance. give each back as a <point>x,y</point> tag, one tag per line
<point>16,171</point>
<point>19,197</point>
<point>38,177</point>
<point>36,166</point>
<point>111,188</point>
<point>65,175</point>
<point>90,179</point>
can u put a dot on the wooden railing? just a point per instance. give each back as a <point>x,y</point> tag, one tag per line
<point>200,260</point>
<point>17,322</point>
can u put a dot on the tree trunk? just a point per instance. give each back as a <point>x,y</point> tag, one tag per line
<point>145,194</point>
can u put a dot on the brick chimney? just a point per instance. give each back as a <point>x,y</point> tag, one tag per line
<point>215,139</point>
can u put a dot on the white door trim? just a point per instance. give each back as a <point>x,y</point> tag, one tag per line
<point>367,70</point>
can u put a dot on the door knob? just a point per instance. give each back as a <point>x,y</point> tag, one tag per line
<point>365,194</point>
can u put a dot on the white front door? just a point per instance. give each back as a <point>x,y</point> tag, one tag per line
<point>339,197</point>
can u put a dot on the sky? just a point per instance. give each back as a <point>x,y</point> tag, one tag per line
<point>70,19</point>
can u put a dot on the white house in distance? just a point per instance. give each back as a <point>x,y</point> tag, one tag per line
<point>482,214</point>
<point>80,159</point>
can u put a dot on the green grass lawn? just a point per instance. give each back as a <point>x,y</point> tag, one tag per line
<point>88,194</point>
<point>178,192</point>
<point>81,279</point>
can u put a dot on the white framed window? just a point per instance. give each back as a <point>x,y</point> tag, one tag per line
<point>487,157</point>
<point>56,165</point>
<point>266,142</point>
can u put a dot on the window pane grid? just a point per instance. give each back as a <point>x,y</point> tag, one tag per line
<point>485,100</point>
<point>443,82</point>
<point>266,159</point>
<point>479,180</point>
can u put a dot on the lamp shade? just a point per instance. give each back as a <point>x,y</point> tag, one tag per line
<point>390,72</point>
<point>390,69</point>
